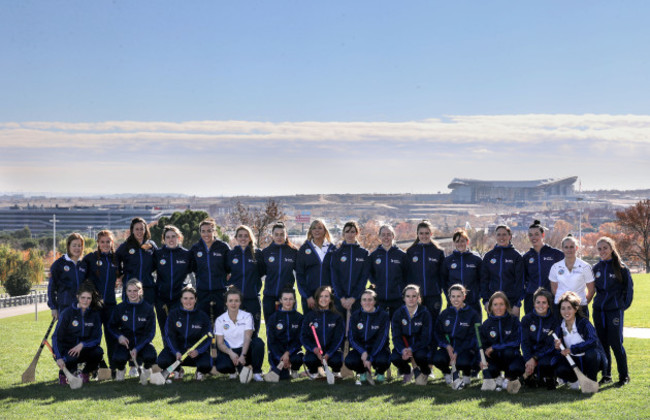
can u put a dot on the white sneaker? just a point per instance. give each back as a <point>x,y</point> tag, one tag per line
<point>357,382</point>
<point>312,376</point>
<point>119,374</point>
<point>499,381</point>
<point>560,382</point>
<point>431,375</point>
<point>574,385</point>
<point>144,377</point>
<point>504,384</point>
<point>199,376</point>
<point>133,371</point>
<point>448,378</point>
<point>467,380</point>
<point>233,376</point>
<point>257,377</point>
<point>294,374</point>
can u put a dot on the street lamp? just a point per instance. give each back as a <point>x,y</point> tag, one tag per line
<point>53,220</point>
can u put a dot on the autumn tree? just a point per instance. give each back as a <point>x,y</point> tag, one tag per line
<point>635,220</point>
<point>260,219</point>
<point>188,223</point>
<point>560,230</point>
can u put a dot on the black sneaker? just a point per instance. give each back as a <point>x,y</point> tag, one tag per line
<point>623,381</point>
<point>605,380</point>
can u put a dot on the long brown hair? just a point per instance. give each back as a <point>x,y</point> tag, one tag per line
<point>98,252</point>
<point>251,244</point>
<point>424,224</point>
<point>147,233</point>
<point>617,264</point>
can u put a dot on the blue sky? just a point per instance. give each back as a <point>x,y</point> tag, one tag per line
<point>281,97</point>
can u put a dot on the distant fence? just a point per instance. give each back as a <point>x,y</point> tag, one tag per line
<point>7,301</point>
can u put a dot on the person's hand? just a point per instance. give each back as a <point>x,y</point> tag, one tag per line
<point>286,360</point>
<point>123,341</point>
<point>193,354</point>
<point>61,363</point>
<point>450,351</point>
<point>74,352</point>
<point>452,358</point>
<point>483,365</point>
<point>326,357</point>
<point>557,344</point>
<point>364,356</point>
<point>566,352</point>
<point>179,356</point>
<point>134,354</point>
<point>242,360</point>
<point>488,351</point>
<point>516,310</point>
<point>367,364</point>
<point>406,354</point>
<point>317,353</point>
<point>55,314</point>
<point>234,357</point>
<point>311,303</point>
<point>531,364</point>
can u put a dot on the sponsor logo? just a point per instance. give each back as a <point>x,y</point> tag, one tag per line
<point>417,324</point>
<point>374,327</point>
<point>142,319</point>
<point>196,327</point>
<point>454,266</point>
<point>616,321</point>
<point>271,258</point>
<point>493,261</point>
<point>359,259</point>
<point>507,261</point>
<point>181,262</point>
<point>378,261</point>
<point>288,260</point>
<point>464,324</point>
<point>360,326</point>
<point>235,260</point>
<point>199,254</point>
<point>125,318</point>
<point>75,323</point>
<point>332,325</point>
<point>395,261</point>
<point>131,251</point>
<point>470,265</point>
<point>548,258</point>
<point>279,326</point>
<point>179,324</point>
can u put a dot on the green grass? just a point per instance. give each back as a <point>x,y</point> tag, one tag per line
<point>220,397</point>
<point>637,315</point>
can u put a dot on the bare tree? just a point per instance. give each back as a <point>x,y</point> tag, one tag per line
<point>259,219</point>
<point>635,220</point>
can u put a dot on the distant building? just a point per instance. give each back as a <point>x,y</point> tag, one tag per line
<point>477,191</point>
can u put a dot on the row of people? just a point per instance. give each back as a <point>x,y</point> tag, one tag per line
<point>347,268</point>
<point>449,341</point>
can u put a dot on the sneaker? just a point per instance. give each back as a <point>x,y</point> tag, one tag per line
<point>498,389</point>
<point>144,377</point>
<point>357,382</point>
<point>431,375</point>
<point>380,378</point>
<point>133,372</point>
<point>574,385</point>
<point>233,376</point>
<point>294,374</point>
<point>504,384</point>
<point>605,380</point>
<point>560,382</point>
<point>499,381</point>
<point>467,380</point>
<point>448,379</point>
<point>407,377</point>
<point>623,381</point>
<point>62,379</point>
<point>312,376</point>
<point>199,376</point>
<point>362,377</point>
<point>119,374</point>
<point>257,377</point>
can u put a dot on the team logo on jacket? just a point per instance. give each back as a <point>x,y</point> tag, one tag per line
<point>279,326</point>
<point>415,259</point>
<point>99,263</point>
<point>131,251</point>
<point>493,334</point>
<point>307,251</point>
<point>404,322</point>
<point>271,258</point>
<point>179,324</point>
<point>447,322</point>
<point>493,261</point>
<point>66,268</point>
<point>235,260</point>
<point>344,258</point>
<point>163,261</point>
<point>226,326</point>
<point>533,328</point>
<point>561,271</point>
<point>199,254</point>
<point>75,323</point>
<point>453,266</point>
<point>378,261</point>
<point>315,324</point>
<point>531,260</point>
<point>597,274</point>
<point>360,326</point>
<point>125,317</point>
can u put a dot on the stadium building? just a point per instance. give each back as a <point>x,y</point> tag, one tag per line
<point>477,191</point>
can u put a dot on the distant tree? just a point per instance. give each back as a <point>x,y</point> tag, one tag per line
<point>188,223</point>
<point>259,219</point>
<point>19,270</point>
<point>369,237</point>
<point>560,229</point>
<point>635,220</point>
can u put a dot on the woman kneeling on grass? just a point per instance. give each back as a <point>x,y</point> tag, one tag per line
<point>580,341</point>
<point>237,346</point>
<point>184,327</point>
<point>330,331</point>
<point>368,334</point>
<point>78,334</point>
<point>283,336</point>
<point>411,328</point>
<point>133,326</point>
<point>501,336</point>
<point>455,337</point>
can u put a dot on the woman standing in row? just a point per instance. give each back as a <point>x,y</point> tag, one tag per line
<point>313,264</point>
<point>135,259</point>
<point>464,267</point>
<point>350,270</point>
<point>502,270</point>
<point>173,264</point>
<point>246,266</point>
<point>388,271</point>
<point>572,275</point>
<point>425,268</point>
<point>280,261</point>
<point>614,293</point>
<point>537,264</point>
<point>209,262</point>
<point>103,271</point>
<point>67,274</point>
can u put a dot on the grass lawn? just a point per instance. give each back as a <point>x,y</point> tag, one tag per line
<point>221,397</point>
<point>637,315</point>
